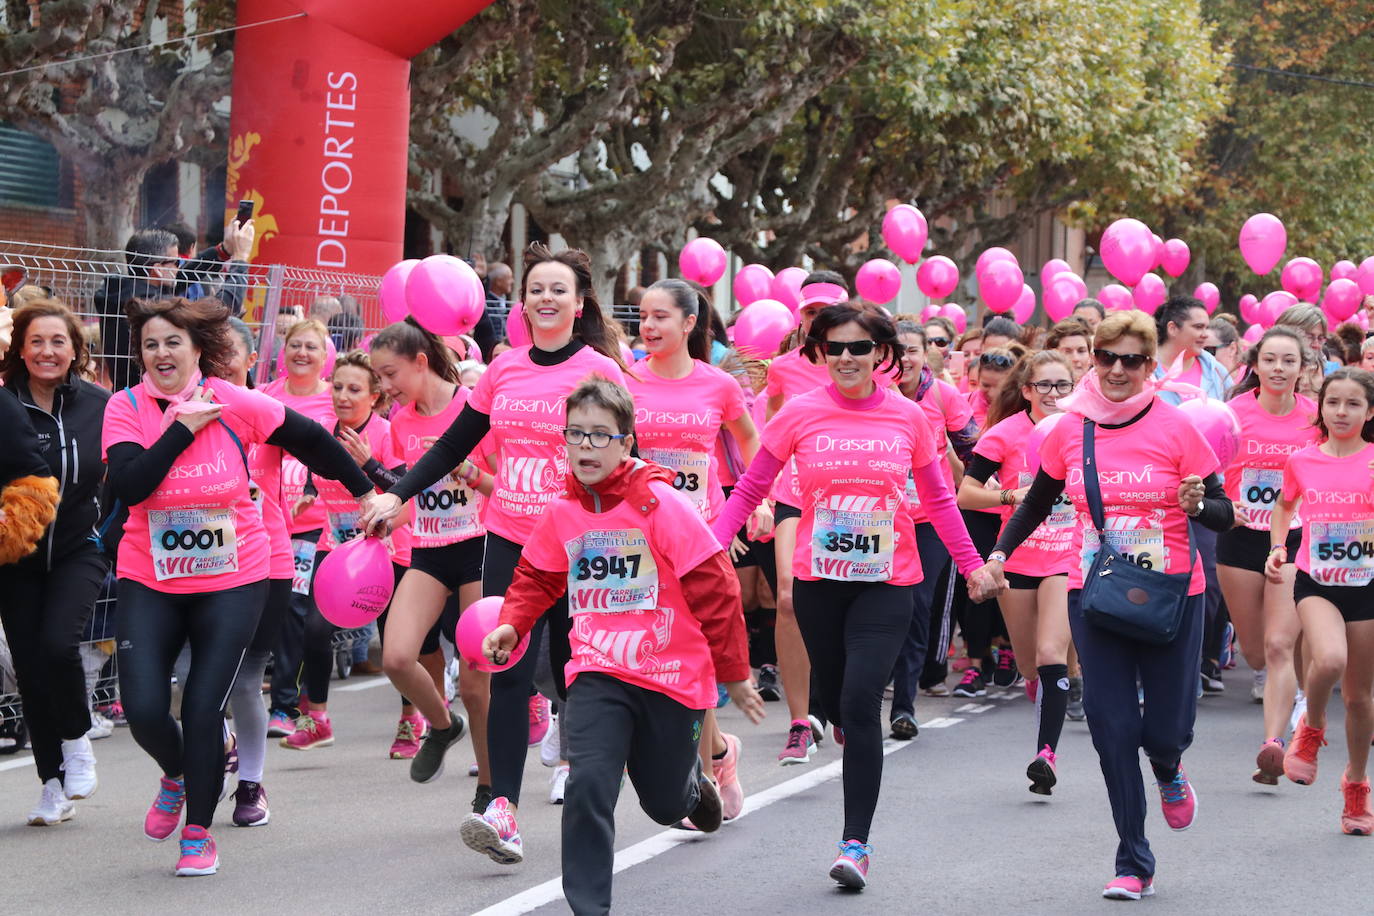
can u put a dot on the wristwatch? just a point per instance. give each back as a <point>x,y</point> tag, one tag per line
<point>999,556</point>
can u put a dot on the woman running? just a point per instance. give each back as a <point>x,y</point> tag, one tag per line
<point>856,559</point>
<point>194,560</point>
<point>1035,606</point>
<point>1155,471</point>
<point>1275,422</point>
<point>1334,587</point>
<point>520,401</point>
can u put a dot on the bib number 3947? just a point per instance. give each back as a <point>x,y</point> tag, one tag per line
<point>611,572</point>
<point>852,546</point>
<point>192,542</point>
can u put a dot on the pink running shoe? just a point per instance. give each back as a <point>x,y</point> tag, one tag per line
<point>726,773</point>
<point>850,868</point>
<point>1041,772</point>
<point>410,731</point>
<point>494,834</point>
<point>198,853</point>
<point>1300,760</point>
<point>1178,801</point>
<point>1032,686</point>
<point>1356,818</point>
<point>799,747</point>
<point>312,730</point>
<point>165,814</point>
<point>1129,887</point>
<point>539,719</point>
<point>1269,762</point>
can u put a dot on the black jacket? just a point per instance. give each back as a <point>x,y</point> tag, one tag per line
<point>69,441</point>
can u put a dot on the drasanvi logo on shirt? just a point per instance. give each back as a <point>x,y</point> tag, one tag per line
<point>200,469</point>
<point>644,415</point>
<point>1125,477</point>
<point>542,406</point>
<point>834,444</point>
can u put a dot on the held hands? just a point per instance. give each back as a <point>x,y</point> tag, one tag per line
<point>743,695</point>
<point>365,502</point>
<point>197,419</point>
<point>499,644</point>
<point>760,525</point>
<point>1273,565</point>
<point>986,582</point>
<point>1190,493</point>
<point>300,505</point>
<point>354,444</point>
<point>1242,519</point>
<point>378,513</point>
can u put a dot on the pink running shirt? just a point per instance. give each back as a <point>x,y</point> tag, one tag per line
<point>447,511</point>
<point>1049,549</point>
<point>1254,478</point>
<point>264,471</point>
<point>946,409</point>
<point>629,618</point>
<point>525,402</point>
<point>199,531</point>
<point>317,407</point>
<point>1337,514</point>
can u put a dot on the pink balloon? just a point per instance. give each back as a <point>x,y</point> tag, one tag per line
<point>1036,438</point>
<point>1303,278</point>
<point>702,261</point>
<point>1253,334</point>
<point>955,313</point>
<point>1344,270</point>
<point>1159,249</point>
<point>1366,281</point>
<point>1218,425</point>
<point>1053,268</point>
<point>477,620</point>
<point>354,583</point>
<point>1062,294</point>
<point>1274,305</point>
<point>1080,288</point>
<point>445,295</point>
<point>786,286</point>
<point>937,276</point>
<point>1024,309</point>
<point>1115,298</point>
<point>1209,295</point>
<point>905,232</point>
<point>761,328</point>
<point>1364,273</point>
<point>878,281</point>
<point>331,353</point>
<point>1149,294</point>
<point>1342,299</point>
<point>992,256</point>
<point>932,311</point>
<point>752,283</point>
<point>392,291</point>
<point>1363,319</point>
<point>1262,242</point>
<point>1249,309</point>
<point>517,329</point>
<point>1176,257</point>
<point>1128,250</point>
<point>999,283</point>
<point>366,343</point>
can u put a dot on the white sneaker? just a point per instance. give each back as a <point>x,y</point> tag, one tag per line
<point>1299,710</point>
<point>101,727</point>
<point>53,807</point>
<point>1257,687</point>
<point>78,768</point>
<point>558,782</point>
<point>451,672</point>
<point>549,751</point>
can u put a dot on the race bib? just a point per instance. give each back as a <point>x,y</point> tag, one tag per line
<point>1142,546</point>
<point>1259,492</point>
<point>344,524</point>
<point>610,572</point>
<point>852,546</point>
<point>303,555</point>
<point>192,542</point>
<point>446,511</point>
<point>1062,514</point>
<point>1342,553</point>
<point>691,473</point>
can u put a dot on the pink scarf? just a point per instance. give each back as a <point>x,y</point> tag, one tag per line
<point>1088,401</point>
<point>180,403</point>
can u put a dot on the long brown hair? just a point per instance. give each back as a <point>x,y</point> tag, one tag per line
<point>591,326</point>
<point>12,366</point>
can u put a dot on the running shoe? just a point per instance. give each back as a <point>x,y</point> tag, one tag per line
<point>1257,685</point>
<point>1299,710</point>
<point>708,813</point>
<point>410,731</point>
<point>494,833</point>
<point>1129,887</point>
<point>1178,801</point>
<point>280,725</point>
<point>539,719</point>
<point>231,765</point>
<point>839,735</point>
<point>78,769</point>
<point>481,799</point>
<point>769,687</point>
<point>1074,712</point>
<point>940,689</point>
<point>558,782</point>
<point>101,727</point>
<point>53,806</point>
<point>1226,659</point>
<point>1032,686</point>
<point>198,853</point>
<point>1041,772</point>
<point>473,771</point>
<point>312,730</point>
<point>726,772</point>
<point>1005,674</point>
<point>972,684</point>
<point>1356,818</point>
<point>1269,762</point>
<point>250,805</point>
<point>165,814</point>
<point>817,729</point>
<point>904,726</point>
<point>114,712</point>
<point>1211,677</point>
<point>428,763</point>
<point>799,747</point>
<point>550,749</point>
<point>850,868</point>
<point>1300,759</point>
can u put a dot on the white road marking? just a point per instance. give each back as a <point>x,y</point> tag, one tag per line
<point>16,763</point>
<point>974,707</point>
<point>942,723</point>
<point>363,685</point>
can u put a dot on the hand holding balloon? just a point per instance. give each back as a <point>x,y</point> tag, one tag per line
<point>499,644</point>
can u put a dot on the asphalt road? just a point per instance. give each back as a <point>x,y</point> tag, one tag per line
<point>956,831</point>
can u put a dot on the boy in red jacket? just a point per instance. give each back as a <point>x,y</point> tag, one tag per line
<point>656,622</point>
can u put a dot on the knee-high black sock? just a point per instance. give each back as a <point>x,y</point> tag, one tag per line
<point>1053,701</point>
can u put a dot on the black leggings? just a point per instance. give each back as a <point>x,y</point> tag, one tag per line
<point>508,724</point>
<point>44,614</point>
<point>853,632</point>
<point>150,629</point>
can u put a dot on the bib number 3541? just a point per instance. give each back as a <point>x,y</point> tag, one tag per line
<point>852,546</point>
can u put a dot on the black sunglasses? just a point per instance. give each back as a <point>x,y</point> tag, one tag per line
<point>1045,386</point>
<point>1129,361</point>
<point>940,342</point>
<point>836,348</point>
<point>996,360</point>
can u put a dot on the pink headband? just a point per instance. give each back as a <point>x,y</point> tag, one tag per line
<point>826,293</point>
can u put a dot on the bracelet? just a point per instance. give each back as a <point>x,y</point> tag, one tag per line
<point>1007,498</point>
<point>1283,547</point>
<point>474,477</point>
